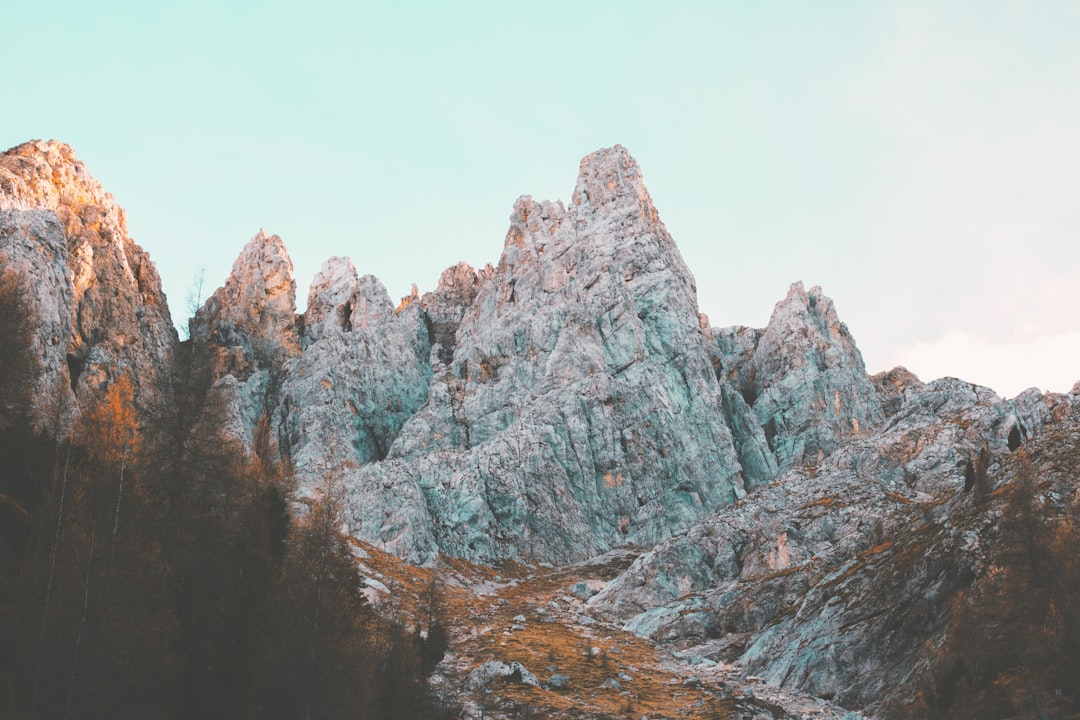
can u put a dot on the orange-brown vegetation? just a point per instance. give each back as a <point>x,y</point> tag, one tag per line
<point>479,605</point>
<point>148,568</point>
<point>1013,647</point>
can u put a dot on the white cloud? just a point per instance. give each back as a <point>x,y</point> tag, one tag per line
<point>1049,362</point>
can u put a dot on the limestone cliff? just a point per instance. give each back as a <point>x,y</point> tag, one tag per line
<point>803,377</point>
<point>95,295</point>
<point>758,581</point>
<point>363,372</point>
<point>445,307</point>
<point>566,401</point>
<point>244,333</point>
<point>579,409</point>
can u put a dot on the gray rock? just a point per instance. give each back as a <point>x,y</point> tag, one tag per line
<point>361,375</point>
<point>557,682</point>
<point>891,386</point>
<point>580,410</point>
<point>446,305</point>
<point>95,296</point>
<point>243,335</point>
<point>771,567</point>
<point>843,506</point>
<point>514,672</point>
<point>692,659</point>
<point>803,376</point>
<point>581,591</point>
<point>812,524</point>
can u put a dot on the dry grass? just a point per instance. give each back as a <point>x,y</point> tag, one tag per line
<point>479,605</point>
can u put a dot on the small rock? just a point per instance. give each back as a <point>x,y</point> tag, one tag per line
<point>581,591</point>
<point>514,672</point>
<point>557,682</point>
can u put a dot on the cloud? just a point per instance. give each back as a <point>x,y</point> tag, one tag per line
<point>1049,362</point>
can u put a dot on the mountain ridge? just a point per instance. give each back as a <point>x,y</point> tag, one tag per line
<point>571,400</point>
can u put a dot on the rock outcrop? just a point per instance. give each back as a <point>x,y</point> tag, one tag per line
<point>957,604</point>
<point>363,372</point>
<point>243,335</point>
<point>445,307</point>
<point>891,386</point>
<point>250,322</point>
<point>758,581</point>
<point>579,409</point>
<point>564,402</point>
<point>803,377</point>
<point>95,296</point>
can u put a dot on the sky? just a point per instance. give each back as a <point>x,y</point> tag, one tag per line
<point>919,160</point>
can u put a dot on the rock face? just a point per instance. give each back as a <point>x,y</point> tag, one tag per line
<point>95,295</point>
<point>882,542</point>
<point>363,372</point>
<point>579,409</point>
<point>891,385</point>
<point>244,333</point>
<point>564,402</point>
<point>250,321</point>
<point>803,377</point>
<point>801,581</point>
<point>446,305</point>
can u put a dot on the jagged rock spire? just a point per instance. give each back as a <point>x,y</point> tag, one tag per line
<point>579,409</point>
<point>446,305</point>
<point>803,376</point>
<point>251,319</point>
<point>363,372</point>
<point>612,176</point>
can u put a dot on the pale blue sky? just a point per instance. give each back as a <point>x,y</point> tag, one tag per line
<point>918,160</point>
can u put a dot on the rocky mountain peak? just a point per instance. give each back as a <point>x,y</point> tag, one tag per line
<point>341,301</point>
<point>95,295</point>
<point>813,305</point>
<point>46,174</point>
<point>251,319</point>
<point>363,372</point>
<point>891,385</point>
<point>612,177</point>
<point>762,505</point>
<point>803,376</point>
<point>329,292</point>
<point>446,305</point>
<point>578,410</point>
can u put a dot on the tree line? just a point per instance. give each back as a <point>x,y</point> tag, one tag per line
<point>151,569</point>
